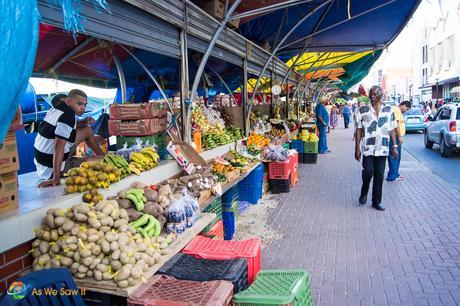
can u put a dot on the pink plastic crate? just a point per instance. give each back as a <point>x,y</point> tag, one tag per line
<point>294,160</point>
<point>279,170</point>
<point>168,291</point>
<point>228,249</point>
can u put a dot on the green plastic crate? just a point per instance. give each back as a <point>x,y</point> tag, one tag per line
<point>310,147</point>
<point>214,207</point>
<point>277,287</point>
<point>287,145</point>
<point>232,208</point>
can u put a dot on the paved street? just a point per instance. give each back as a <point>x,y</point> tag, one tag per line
<point>446,168</point>
<point>407,255</point>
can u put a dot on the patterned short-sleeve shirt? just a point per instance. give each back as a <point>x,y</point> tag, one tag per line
<point>376,130</point>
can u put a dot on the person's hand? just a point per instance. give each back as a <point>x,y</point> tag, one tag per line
<point>49,183</point>
<point>358,154</point>
<point>89,121</point>
<point>328,128</point>
<point>395,152</point>
<point>401,140</point>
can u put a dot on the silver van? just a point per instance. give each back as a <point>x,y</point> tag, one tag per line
<point>444,129</point>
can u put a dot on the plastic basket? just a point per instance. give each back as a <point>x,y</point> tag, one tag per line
<point>230,196</point>
<point>232,208</point>
<point>279,170</point>
<point>310,147</point>
<point>188,267</point>
<point>297,145</point>
<point>242,207</point>
<point>214,207</point>
<point>167,290</point>
<point>255,176</point>
<point>277,287</point>
<point>229,220</point>
<point>294,160</point>
<point>250,193</point>
<point>310,158</point>
<point>215,231</point>
<point>280,186</point>
<point>294,177</point>
<point>212,249</point>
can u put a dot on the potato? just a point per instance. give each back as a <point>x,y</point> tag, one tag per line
<point>107,221</point>
<point>44,247</point>
<point>74,267</point>
<point>98,275</point>
<point>107,210</point>
<point>92,231</point>
<point>124,258</point>
<point>94,222</point>
<point>47,235</point>
<point>80,275</point>
<point>54,236</point>
<point>123,283</point>
<point>85,253</point>
<point>105,246</point>
<point>60,231</point>
<point>66,261</point>
<point>102,268</point>
<point>115,214</point>
<point>101,234</point>
<point>124,203</point>
<point>89,274</point>
<point>36,252</point>
<point>83,269</point>
<point>68,225</point>
<point>80,217</point>
<point>55,248</point>
<point>75,230</point>
<point>88,261</point>
<point>114,246</point>
<point>93,238</point>
<point>83,236</point>
<point>106,261</point>
<point>55,263</point>
<point>100,215</point>
<point>71,240</point>
<point>83,209</point>
<point>151,195</point>
<point>96,261</point>
<point>96,250</point>
<point>116,255</point>
<point>136,272</point>
<point>116,265</point>
<point>133,281</point>
<point>100,206</point>
<point>49,220</point>
<point>76,256</point>
<point>124,272</point>
<point>119,223</point>
<point>59,221</point>
<point>123,214</point>
<point>72,247</point>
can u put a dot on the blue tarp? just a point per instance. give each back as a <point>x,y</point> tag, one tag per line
<point>18,41</point>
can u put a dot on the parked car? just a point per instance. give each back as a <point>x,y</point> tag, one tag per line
<point>444,129</point>
<point>415,120</point>
<point>389,103</point>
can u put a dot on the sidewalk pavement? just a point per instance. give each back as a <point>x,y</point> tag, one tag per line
<point>406,255</point>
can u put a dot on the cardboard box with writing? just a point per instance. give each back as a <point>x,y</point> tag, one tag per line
<point>145,127</point>
<point>9,198</point>
<point>136,111</point>
<point>9,159</point>
<point>185,155</point>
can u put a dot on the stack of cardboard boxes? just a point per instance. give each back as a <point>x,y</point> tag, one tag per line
<point>9,166</point>
<point>146,122</point>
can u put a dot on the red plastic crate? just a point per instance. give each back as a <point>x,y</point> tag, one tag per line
<point>294,177</point>
<point>216,231</point>
<point>279,170</point>
<point>169,291</point>
<point>228,249</point>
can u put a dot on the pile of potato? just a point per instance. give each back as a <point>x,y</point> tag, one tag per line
<point>95,241</point>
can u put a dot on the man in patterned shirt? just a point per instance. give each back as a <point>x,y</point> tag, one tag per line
<point>375,125</point>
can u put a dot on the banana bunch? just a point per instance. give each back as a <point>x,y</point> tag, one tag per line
<point>136,196</point>
<point>147,225</point>
<point>235,132</point>
<point>119,162</point>
<point>146,159</point>
<point>151,155</point>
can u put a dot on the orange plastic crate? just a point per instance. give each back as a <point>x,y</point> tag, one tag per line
<point>279,170</point>
<point>216,231</point>
<point>294,160</point>
<point>294,177</point>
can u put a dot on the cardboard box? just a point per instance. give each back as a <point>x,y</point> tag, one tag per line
<point>144,127</point>
<point>185,155</point>
<point>17,124</point>
<point>9,159</point>
<point>136,111</point>
<point>9,197</point>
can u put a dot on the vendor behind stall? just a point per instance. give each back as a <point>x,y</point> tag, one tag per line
<point>58,136</point>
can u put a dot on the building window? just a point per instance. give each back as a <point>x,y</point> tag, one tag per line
<point>450,52</point>
<point>424,54</point>
<point>424,76</point>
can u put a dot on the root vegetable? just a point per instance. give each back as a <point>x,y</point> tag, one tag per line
<point>124,272</point>
<point>85,253</point>
<point>36,253</point>
<point>80,217</point>
<point>123,214</point>
<point>107,276</point>
<point>44,247</point>
<point>82,269</point>
<point>96,250</point>
<point>74,267</point>
<point>98,275</point>
<point>54,236</point>
<point>100,215</point>
<point>65,261</point>
<point>116,254</point>
<point>115,214</point>
<point>94,222</point>
<point>102,268</point>
<point>107,221</point>
<point>133,214</point>
<point>46,235</point>
<point>123,283</point>
<point>119,223</point>
<point>93,238</point>
<point>55,263</point>
<point>68,225</point>
<point>124,258</point>
<point>111,236</point>
<point>106,261</point>
<point>55,248</point>
<point>60,231</point>
<point>71,240</point>
<point>105,246</point>
<point>89,274</point>
<point>107,210</point>
<point>96,261</point>
<point>124,203</point>
<point>75,230</point>
<point>76,256</point>
<point>136,272</point>
<point>72,247</point>
<point>49,220</point>
<point>116,265</point>
<point>151,195</point>
<point>114,246</point>
<point>88,261</point>
<point>101,234</point>
<point>100,206</point>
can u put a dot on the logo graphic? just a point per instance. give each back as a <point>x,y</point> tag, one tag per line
<point>18,290</point>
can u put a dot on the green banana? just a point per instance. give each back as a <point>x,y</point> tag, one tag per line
<point>142,232</point>
<point>138,204</point>
<point>140,222</point>
<point>139,193</point>
<point>151,232</point>
<point>150,225</point>
<point>157,227</point>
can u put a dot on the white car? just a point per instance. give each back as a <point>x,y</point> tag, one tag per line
<point>444,129</point>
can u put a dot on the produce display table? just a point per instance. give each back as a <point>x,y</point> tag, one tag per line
<point>182,240</point>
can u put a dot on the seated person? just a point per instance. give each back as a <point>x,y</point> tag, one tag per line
<point>59,134</point>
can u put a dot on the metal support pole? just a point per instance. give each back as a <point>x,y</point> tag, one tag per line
<point>287,100</point>
<point>72,52</point>
<point>269,8</point>
<point>121,77</point>
<point>272,96</point>
<point>207,53</point>
<point>184,93</point>
<point>245,99</point>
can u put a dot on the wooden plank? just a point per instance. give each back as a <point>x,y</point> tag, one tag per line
<point>110,287</point>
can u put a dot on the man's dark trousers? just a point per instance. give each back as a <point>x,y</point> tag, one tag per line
<point>373,166</point>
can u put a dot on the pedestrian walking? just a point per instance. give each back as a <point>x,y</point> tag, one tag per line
<point>322,122</point>
<point>375,125</point>
<point>346,113</point>
<point>334,116</point>
<point>393,163</point>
